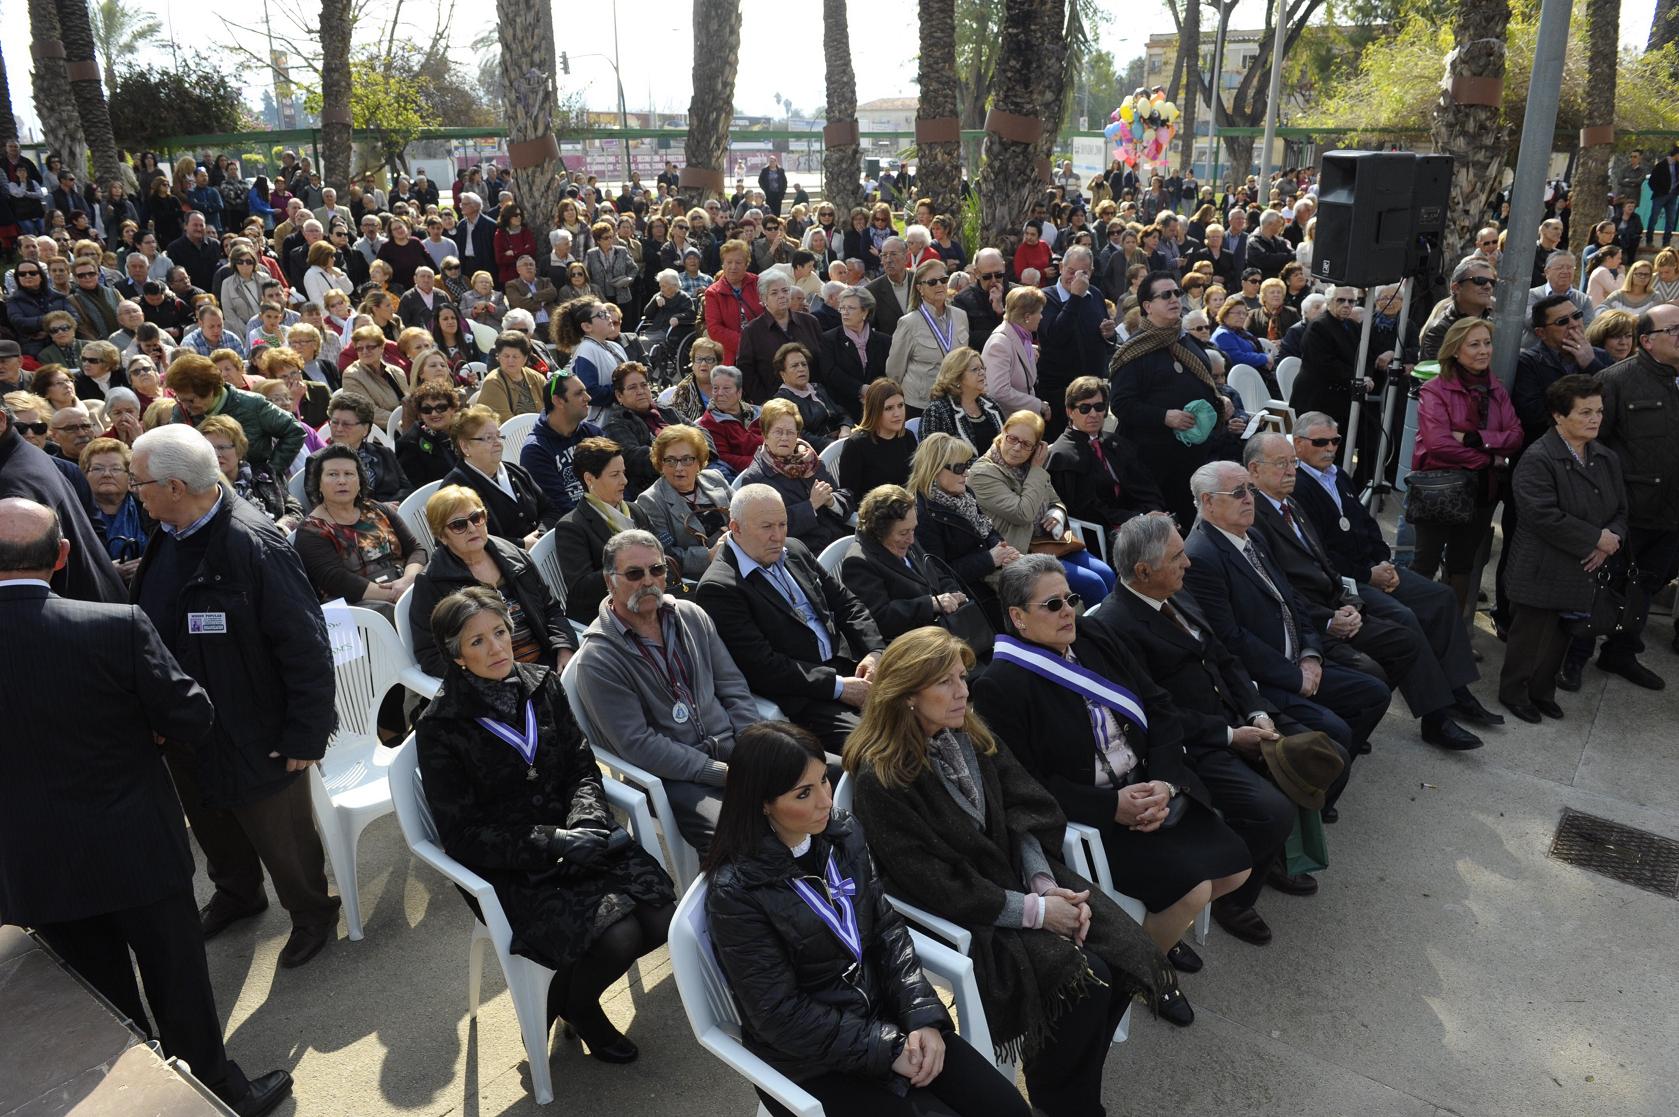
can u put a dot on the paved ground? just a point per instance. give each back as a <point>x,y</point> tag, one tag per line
<point>1446,967</point>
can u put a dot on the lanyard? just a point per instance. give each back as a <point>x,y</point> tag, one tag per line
<point>945,338</point>
<point>524,744</point>
<point>839,915</point>
<point>669,665</point>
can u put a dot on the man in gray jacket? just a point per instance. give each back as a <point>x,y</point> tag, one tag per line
<point>659,687</point>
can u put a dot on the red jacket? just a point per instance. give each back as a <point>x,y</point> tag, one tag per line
<point>1031,256</point>
<point>1444,406</point>
<point>737,443</point>
<point>723,318</point>
<point>511,246</point>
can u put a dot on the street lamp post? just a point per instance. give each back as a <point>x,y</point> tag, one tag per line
<point>1272,108</point>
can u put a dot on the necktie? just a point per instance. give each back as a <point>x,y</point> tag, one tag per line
<point>1177,618</point>
<point>1291,636</point>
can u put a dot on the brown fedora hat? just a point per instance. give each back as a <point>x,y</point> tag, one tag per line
<point>1303,766</point>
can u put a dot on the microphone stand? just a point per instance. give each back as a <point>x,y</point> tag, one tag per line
<point>1374,496</point>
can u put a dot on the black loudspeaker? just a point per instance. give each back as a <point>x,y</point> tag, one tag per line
<point>1364,216</point>
<point>1431,197</point>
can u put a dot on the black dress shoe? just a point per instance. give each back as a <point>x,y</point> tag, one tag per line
<point>1468,708</point>
<point>220,914</point>
<point>1448,734</point>
<point>1184,959</point>
<point>1292,884</point>
<point>1330,815</point>
<point>1363,748</point>
<point>1569,677</point>
<point>1173,1007</point>
<point>1547,707</point>
<point>266,1093</point>
<point>1633,672</point>
<point>1245,923</point>
<point>1524,710</point>
<point>305,943</point>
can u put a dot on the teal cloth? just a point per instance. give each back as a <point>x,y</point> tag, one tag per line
<point>1206,418</point>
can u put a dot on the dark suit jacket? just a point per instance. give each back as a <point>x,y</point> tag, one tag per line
<point>1241,609</point>
<point>483,240</point>
<point>1328,354</point>
<point>89,821</point>
<point>1088,489</point>
<point>28,471</point>
<point>579,539</point>
<point>775,649</point>
<point>845,375</point>
<point>887,309</point>
<point>413,311</point>
<point>898,595</point>
<point>511,518</point>
<point>1306,565</point>
<point>1355,550</point>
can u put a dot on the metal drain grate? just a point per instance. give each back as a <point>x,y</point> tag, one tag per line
<point>1636,857</point>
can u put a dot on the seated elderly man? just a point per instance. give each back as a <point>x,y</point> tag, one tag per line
<point>660,687</point>
<point>1368,622</point>
<point>1253,611</point>
<point>804,641</point>
<point>1224,717</point>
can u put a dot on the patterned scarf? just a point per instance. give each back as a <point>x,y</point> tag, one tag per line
<point>797,466</point>
<point>964,506</point>
<point>1150,338</point>
<point>946,754</point>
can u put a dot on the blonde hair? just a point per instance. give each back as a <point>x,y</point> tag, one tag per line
<point>229,426</point>
<point>779,407</point>
<point>889,741</point>
<point>948,383</point>
<point>680,432</point>
<point>442,506</point>
<point>936,451</point>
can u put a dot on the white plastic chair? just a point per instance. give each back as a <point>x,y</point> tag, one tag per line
<point>716,1020</point>
<point>378,434</point>
<point>834,554</point>
<point>413,512</point>
<point>516,431</point>
<point>830,455</point>
<point>527,981</point>
<point>1102,876</point>
<point>484,336</point>
<point>294,485</point>
<point>914,427</point>
<point>414,676</point>
<point>1251,387</point>
<point>547,561</point>
<point>1094,535</point>
<point>1287,369</point>
<point>348,788</point>
<point>666,397</point>
<point>393,425</point>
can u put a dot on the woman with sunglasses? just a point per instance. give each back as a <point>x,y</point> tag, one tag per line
<point>425,450</point>
<point>467,554</point>
<point>929,330</point>
<point>582,534</point>
<point>353,546</point>
<point>28,307</point>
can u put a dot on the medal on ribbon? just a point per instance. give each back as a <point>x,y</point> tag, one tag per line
<point>840,916</point>
<point>523,743</point>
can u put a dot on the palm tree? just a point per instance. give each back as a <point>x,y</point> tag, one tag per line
<point>528,84</point>
<point>1591,192</point>
<point>83,72</point>
<point>939,161</point>
<point>1468,129</point>
<point>8,122</point>
<point>842,161</point>
<point>1189,50</point>
<point>336,148</point>
<point>716,58</point>
<point>1010,178</point>
<point>118,31</point>
<point>60,125</point>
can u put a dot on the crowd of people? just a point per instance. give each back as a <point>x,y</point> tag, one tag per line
<point>989,529</point>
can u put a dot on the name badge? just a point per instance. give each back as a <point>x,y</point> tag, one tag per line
<point>206,624</point>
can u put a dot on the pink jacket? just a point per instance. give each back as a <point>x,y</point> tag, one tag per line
<point>1011,373</point>
<point>1444,406</point>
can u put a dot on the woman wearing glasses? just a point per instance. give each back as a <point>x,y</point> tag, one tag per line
<point>373,378</point>
<point>353,546</point>
<point>1465,421</point>
<point>519,510</point>
<point>117,512</point>
<point>468,554</point>
<point>688,506</point>
<point>350,424</point>
<point>582,534</point>
<point>929,329</point>
<point>425,450</point>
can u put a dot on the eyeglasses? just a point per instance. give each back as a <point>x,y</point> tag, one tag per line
<point>493,436</point>
<point>1480,280</point>
<point>1087,408</point>
<point>600,315</point>
<point>960,468</point>
<point>1320,443</point>
<point>87,275</point>
<point>344,424</point>
<point>37,429</point>
<point>1171,293</point>
<point>683,462</point>
<point>461,523</point>
<point>638,573</point>
<point>73,428</point>
<point>1567,319</point>
<point>21,274</point>
<point>990,276</point>
<point>933,281</point>
<point>1056,604</point>
<point>1286,463</point>
<point>1670,331</point>
<point>435,408</point>
<point>135,483</point>
<point>106,470</point>
<point>244,263</point>
<point>1240,492</point>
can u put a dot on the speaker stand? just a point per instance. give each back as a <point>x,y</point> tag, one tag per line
<point>1398,382</point>
<point>1350,435</point>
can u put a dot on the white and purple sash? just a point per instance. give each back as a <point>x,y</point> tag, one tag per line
<point>524,745</point>
<point>1080,680</point>
<point>841,916</point>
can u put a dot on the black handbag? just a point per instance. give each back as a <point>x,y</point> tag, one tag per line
<point>1616,595</point>
<point>969,623</point>
<point>1440,496</point>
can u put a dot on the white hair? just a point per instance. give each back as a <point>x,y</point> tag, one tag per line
<point>1313,303</point>
<point>121,395</point>
<point>770,279</point>
<point>745,498</point>
<point>469,196</point>
<point>178,452</point>
<point>518,319</point>
<point>668,275</point>
<point>1141,539</point>
<point>920,232</point>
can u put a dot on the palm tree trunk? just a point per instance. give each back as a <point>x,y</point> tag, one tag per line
<point>1009,180</point>
<point>85,86</point>
<point>527,73</point>
<point>1189,49</point>
<point>60,125</point>
<point>1053,82</point>
<point>842,155</point>
<point>1467,128</point>
<point>1591,179</point>
<point>336,148</point>
<point>8,122</point>
<point>1664,24</point>
<point>716,57</point>
<point>938,140</point>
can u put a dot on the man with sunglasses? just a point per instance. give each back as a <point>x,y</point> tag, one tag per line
<point>1473,282</point>
<point>1560,347</point>
<point>984,301</point>
<point>657,682</point>
<point>28,471</point>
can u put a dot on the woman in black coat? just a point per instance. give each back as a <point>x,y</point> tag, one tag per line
<point>582,534</point>
<point>1173,856</point>
<point>581,897</point>
<point>468,555</point>
<point>861,1030</point>
<point>899,584</point>
<point>519,518</point>
<point>824,420</point>
<point>846,369</point>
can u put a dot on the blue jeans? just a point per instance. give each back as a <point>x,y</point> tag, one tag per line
<point>1666,206</point>
<point>1088,576</point>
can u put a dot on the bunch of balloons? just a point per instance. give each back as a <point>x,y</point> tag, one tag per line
<point>1142,128</point>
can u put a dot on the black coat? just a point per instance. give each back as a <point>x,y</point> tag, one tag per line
<point>822,416</point>
<point>1358,548</point>
<point>800,1011</point>
<point>1641,424</point>
<point>390,482</point>
<point>887,309</point>
<point>951,538</point>
<point>444,574</point>
<point>28,471</point>
<point>512,518</point>
<point>1141,391</point>
<point>1563,508</point>
<point>1088,489</point>
<point>270,673</point>
<point>897,592</point>
<point>1210,688</point>
<point>579,540</point>
<point>89,821</point>
<point>1328,356</point>
<point>845,374</point>
<point>425,455</point>
<point>759,342</point>
<point>1306,565</point>
<point>776,652</point>
<point>1241,610</point>
<point>1269,254</point>
<point>486,809</point>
